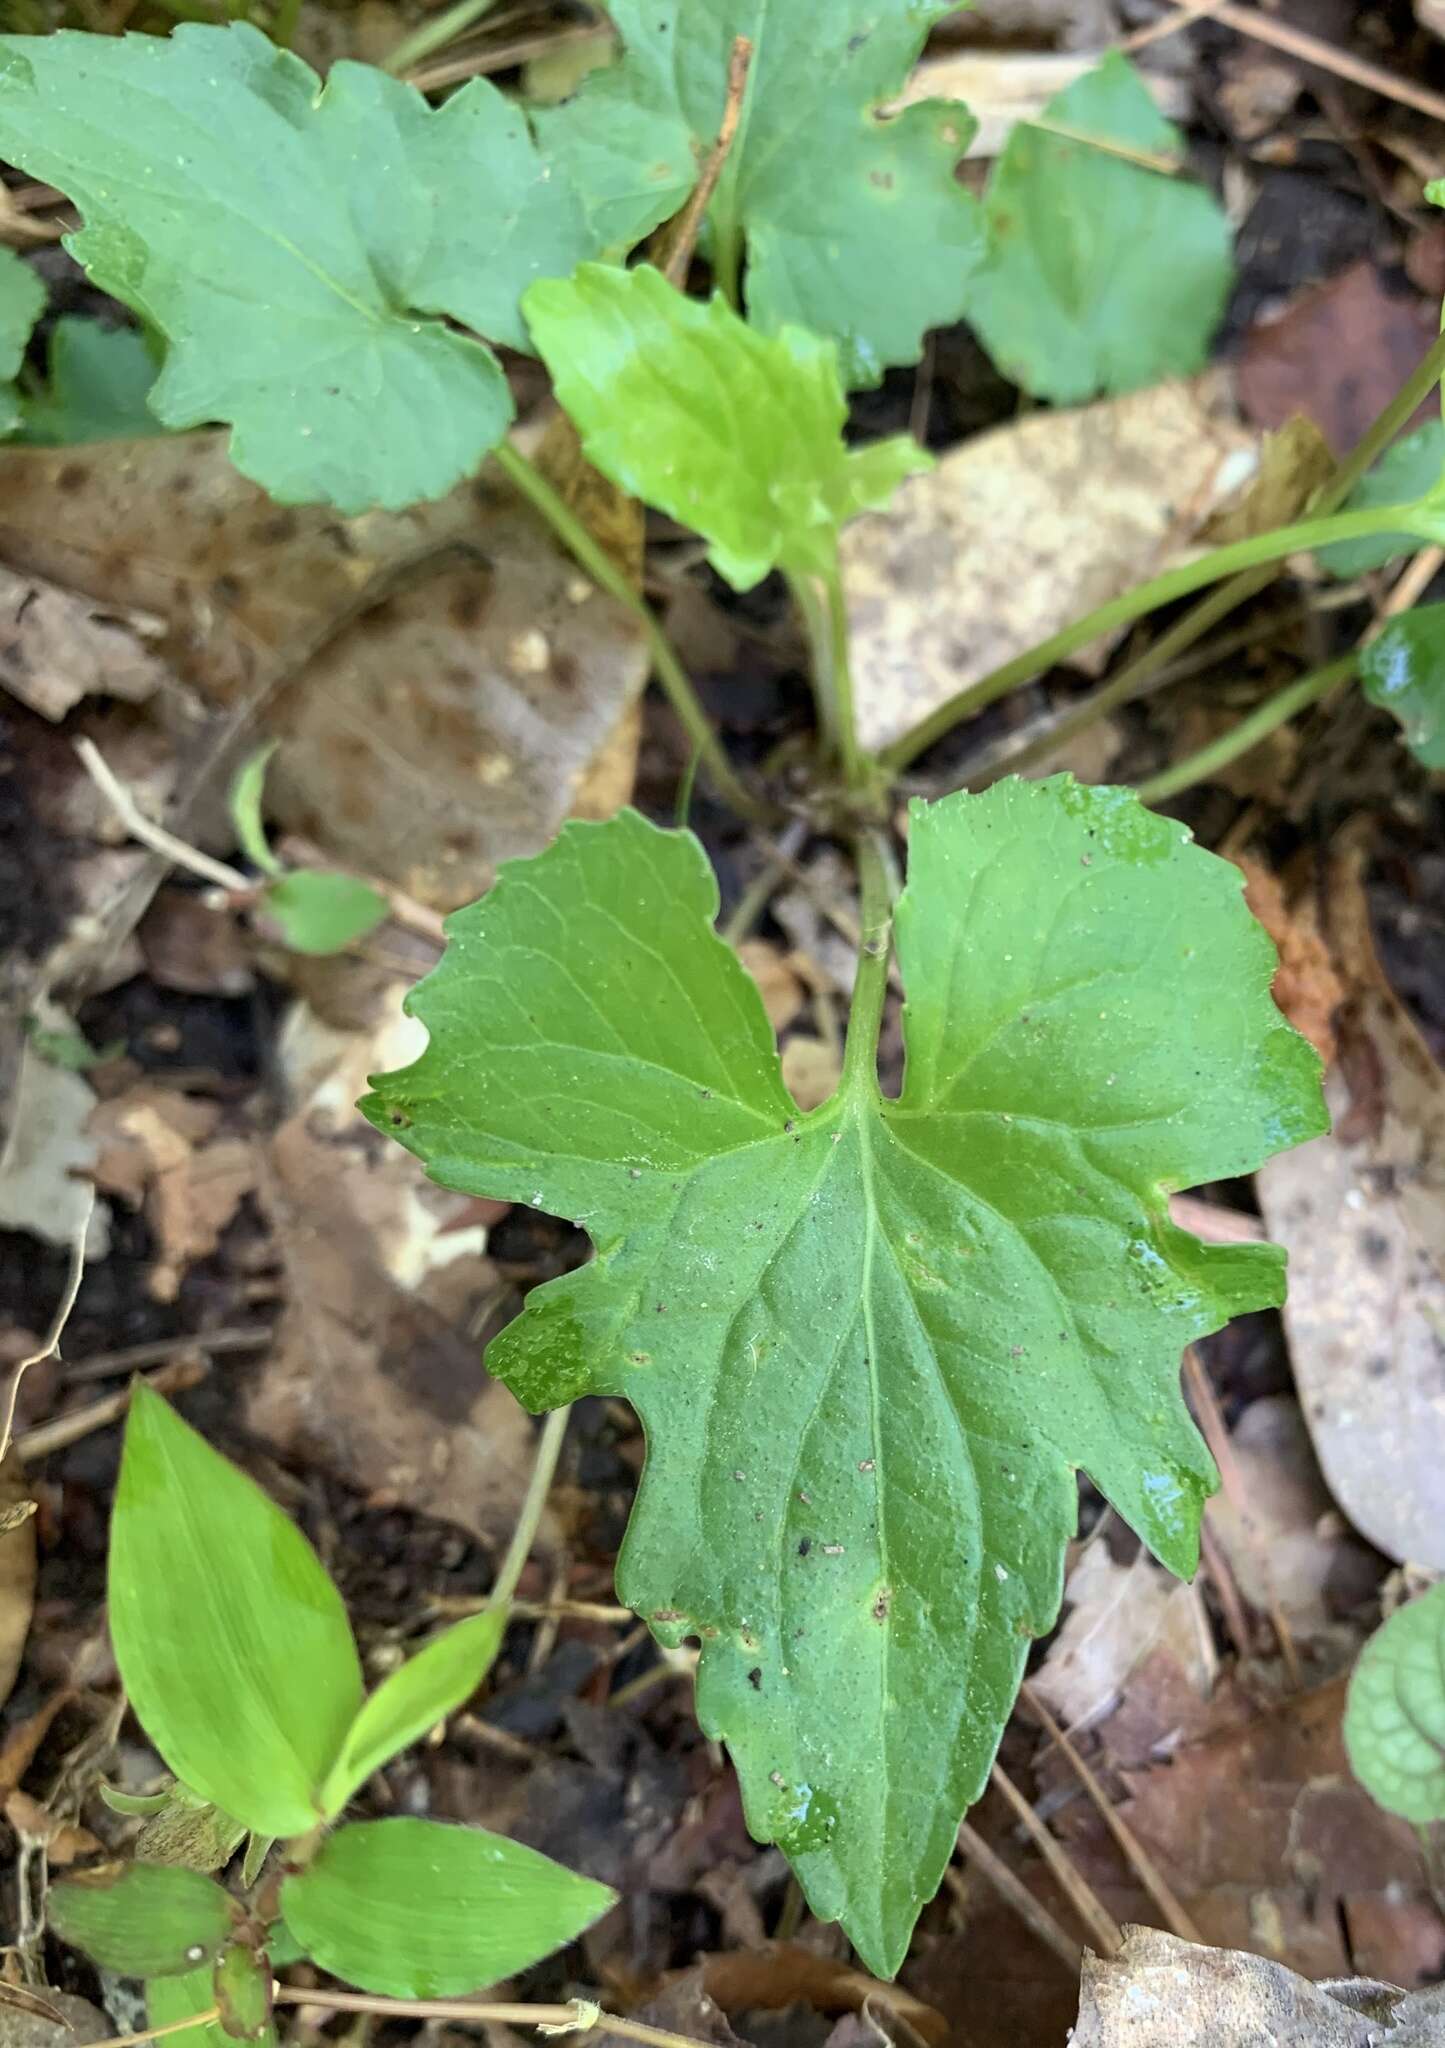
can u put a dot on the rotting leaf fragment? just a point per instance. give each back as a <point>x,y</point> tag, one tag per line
<point>956,1298</point>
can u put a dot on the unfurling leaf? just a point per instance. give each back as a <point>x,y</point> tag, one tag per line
<point>169,1999</point>
<point>737,434</point>
<point>301,248</point>
<point>98,381</point>
<point>244,804</point>
<point>143,1919</point>
<point>1068,300</point>
<point>853,223</point>
<point>232,1641</point>
<point>323,913</point>
<point>404,1706</point>
<point>1403,671</point>
<point>22,300</point>
<point>871,1345</point>
<point>418,1909</point>
<point>1395,1715</point>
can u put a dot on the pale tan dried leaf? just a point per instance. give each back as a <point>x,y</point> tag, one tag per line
<point>17,1574</point>
<point>57,647</point>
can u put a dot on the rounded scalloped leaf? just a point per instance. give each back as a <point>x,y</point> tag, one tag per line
<point>1395,1714</point>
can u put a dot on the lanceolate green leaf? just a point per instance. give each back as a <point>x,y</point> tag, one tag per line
<point>417,1909</point>
<point>232,1641</point>
<point>1403,671</point>
<point>428,1686</point>
<point>870,1345</point>
<point>143,1919</point>
<point>297,245</point>
<point>1070,299</point>
<point>22,300</point>
<point>854,223</point>
<point>1395,1716</point>
<point>737,434</point>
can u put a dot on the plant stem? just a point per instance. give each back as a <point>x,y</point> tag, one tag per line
<point>806,597</point>
<point>856,765</point>
<point>580,2017</point>
<point>436,34</point>
<point>1254,553</point>
<point>549,1449</point>
<point>865,1015</point>
<point>1261,722</point>
<point>673,677</point>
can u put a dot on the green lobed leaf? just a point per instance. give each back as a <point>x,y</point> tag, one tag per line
<point>232,1641</point>
<point>98,381</point>
<point>244,804</point>
<point>427,1688</point>
<point>419,1909</point>
<point>854,223</point>
<point>320,912</point>
<point>1403,671</point>
<point>870,1345</point>
<point>143,1919</point>
<point>22,301</point>
<point>170,1999</point>
<point>737,434</point>
<point>297,245</point>
<point>1069,300</point>
<point>1395,1713</point>
<point>1407,471</point>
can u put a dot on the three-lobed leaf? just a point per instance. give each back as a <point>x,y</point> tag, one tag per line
<point>423,1691</point>
<point>420,1909</point>
<point>22,300</point>
<point>870,1345</point>
<point>1395,1714</point>
<point>737,434</point>
<point>321,912</point>
<point>232,1641</point>
<point>143,1919</point>
<point>302,249</point>
<point>1068,301</point>
<point>1403,671</point>
<point>852,221</point>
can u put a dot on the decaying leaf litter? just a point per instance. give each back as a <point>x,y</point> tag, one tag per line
<point>321,1305</point>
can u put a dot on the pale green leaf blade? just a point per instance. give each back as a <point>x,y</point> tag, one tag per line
<point>244,804</point>
<point>419,1909</point>
<point>171,1999</point>
<point>242,1990</point>
<point>98,382</point>
<point>1403,671</point>
<point>22,300</point>
<point>854,224</point>
<point>1395,1714</point>
<point>143,1919</point>
<point>1069,301</point>
<point>737,434</point>
<point>232,1642</point>
<point>297,245</point>
<point>1409,470</point>
<point>319,912</point>
<point>427,1687</point>
<point>870,1345</point>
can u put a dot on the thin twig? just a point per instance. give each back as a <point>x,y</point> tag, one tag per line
<point>48,1349</point>
<point>200,2019</point>
<point>1011,1888</point>
<point>34,1444</point>
<point>1104,1928</point>
<point>149,833</point>
<point>580,2017</point>
<point>1296,42</point>
<point>104,1365</point>
<point>1143,1864</point>
<point>1211,1423</point>
<point>681,236</point>
<point>1226,1586</point>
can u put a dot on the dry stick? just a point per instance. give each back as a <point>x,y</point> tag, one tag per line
<point>57,1328</point>
<point>104,1365</point>
<point>681,236</point>
<point>148,832</point>
<point>1211,1424</point>
<point>1221,1575</point>
<point>1105,1929</point>
<point>1011,1887</point>
<point>34,1444</point>
<point>1147,1870</point>
<point>580,2017</point>
<point>1297,42</point>
<point>200,2019</point>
